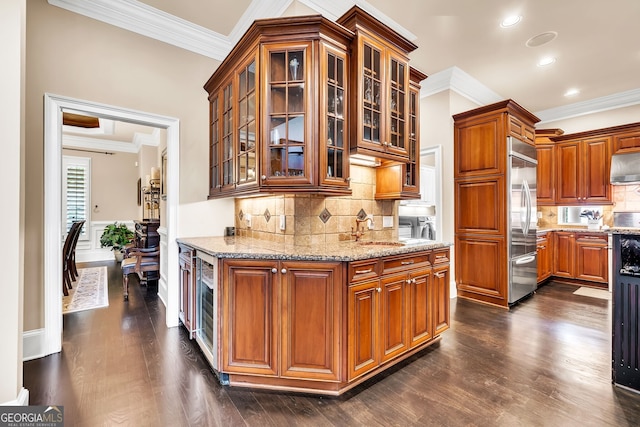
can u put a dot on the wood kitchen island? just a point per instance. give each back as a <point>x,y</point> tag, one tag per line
<point>318,319</point>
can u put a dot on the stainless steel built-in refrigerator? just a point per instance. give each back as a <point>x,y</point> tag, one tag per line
<point>523,266</point>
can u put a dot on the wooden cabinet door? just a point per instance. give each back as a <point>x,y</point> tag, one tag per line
<point>596,164</point>
<point>440,299</point>
<point>564,254</point>
<point>568,177</point>
<point>545,268</point>
<point>545,175</point>
<point>311,319</point>
<point>480,146</point>
<point>420,308</point>
<point>480,206</point>
<point>362,325</point>
<point>393,320</point>
<point>481,269</point>
<point>592,258</point>
<point>250,317</point>
<point>288,119</point>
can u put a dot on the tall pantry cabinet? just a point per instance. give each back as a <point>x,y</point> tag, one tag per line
<point>481,197</point>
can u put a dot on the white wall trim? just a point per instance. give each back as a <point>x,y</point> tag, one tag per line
<point>604,103</point>
<point>33,344</point>
<point>164,266</point>
<point>148,21</point>
<point>90,250</point>
<point>21,400</point>
<point>54,105</point>
<point>457,80</point>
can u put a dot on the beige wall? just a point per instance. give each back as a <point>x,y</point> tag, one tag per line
<point>113,185</point>
<point>75,56</point>
<point>12,27</point>
<point>604,119</point>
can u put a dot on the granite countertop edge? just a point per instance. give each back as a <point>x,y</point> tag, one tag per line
<point>610,230</point>
<point>249,248</point>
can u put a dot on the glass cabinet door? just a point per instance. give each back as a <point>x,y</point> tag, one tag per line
<point>227,136</point>
<point>214,147</point>
<point>246,131</point>
<point>371,93</point>
<point>334,163</point>
<point>411,170</point>
<point>286,139</point>
<point>398,79</point>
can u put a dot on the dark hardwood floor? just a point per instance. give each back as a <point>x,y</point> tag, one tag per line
<point>547,362</point>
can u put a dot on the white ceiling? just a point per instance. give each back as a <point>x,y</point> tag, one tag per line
<point>461,45</point>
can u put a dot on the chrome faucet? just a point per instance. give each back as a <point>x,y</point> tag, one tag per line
<point>360,229</point>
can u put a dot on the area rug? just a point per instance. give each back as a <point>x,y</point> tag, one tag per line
<point>89,291</point>
<point>594,293</point>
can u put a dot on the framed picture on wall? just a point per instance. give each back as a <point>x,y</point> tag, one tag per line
<point>163,180</point>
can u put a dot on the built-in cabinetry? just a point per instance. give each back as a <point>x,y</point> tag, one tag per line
<point>544,246</point>
<point>297,95</point>
<point>575,169</point>
<point>321,326</point>
<point>282,318</point>
<point>582,170</point>
<point>581,255</point>
<point>546,169</point>
<point>481,192</point>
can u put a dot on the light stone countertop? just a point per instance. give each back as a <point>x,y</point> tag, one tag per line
<point>248,248</point>
<point>610,230</point>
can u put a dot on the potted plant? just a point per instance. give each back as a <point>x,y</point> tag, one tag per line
<point>117,236</point>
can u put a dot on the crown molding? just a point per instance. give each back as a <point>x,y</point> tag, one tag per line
<point>455,79</point>
<point>605,103</point>
<point>148,21</point>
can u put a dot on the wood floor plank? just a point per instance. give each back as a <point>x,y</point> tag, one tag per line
<point>546,362</point>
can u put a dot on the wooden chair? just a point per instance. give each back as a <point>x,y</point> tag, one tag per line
<point>143,261</point>
<point>67,249</point>
<point>71,260</point>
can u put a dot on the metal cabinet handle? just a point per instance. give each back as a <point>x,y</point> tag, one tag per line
<point>364,271</point>
<point>406,262</point>
<point>283,271</point>
<point>274,270</point>
<point>439,275</point>
<point>408,281</point>
<point>379,289</point>
<point>440,256</point>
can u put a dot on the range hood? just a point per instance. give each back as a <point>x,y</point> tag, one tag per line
<point>625,169</point>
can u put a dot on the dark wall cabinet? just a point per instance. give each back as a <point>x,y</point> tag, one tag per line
<point>297,95</point>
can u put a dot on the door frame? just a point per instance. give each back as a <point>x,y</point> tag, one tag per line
<point>54,105</point>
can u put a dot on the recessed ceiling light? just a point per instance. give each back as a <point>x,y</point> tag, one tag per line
<point>510,21</point>
<point>546,61</point>
<point>571,92</point>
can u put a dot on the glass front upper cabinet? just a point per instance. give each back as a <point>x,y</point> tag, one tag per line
<point>333,163</point>
<point>286,159</point>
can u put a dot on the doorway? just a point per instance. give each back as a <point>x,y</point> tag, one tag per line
<point>54,106</point>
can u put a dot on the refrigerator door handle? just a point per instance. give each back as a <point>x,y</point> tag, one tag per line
<point>525,259</point>
<point>526,200</point>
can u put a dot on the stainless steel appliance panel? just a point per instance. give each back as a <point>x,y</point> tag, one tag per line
<point>522,211</point>
<point>523,277</point>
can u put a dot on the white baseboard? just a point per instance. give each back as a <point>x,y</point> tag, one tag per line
<point>33,344</point>
<point>21,400</point>
<point>162,291</point>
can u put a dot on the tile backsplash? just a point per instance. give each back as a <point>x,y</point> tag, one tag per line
<point>311,219</point>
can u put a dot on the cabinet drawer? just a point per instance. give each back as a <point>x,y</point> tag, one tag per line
<point>404,262</point>
<point>440,256</point>
<point>594,238</point>
<point>362,270</point>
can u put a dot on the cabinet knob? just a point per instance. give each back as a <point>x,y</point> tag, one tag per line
<point>274,270</point>
<point>408,281</point>
<point>283,271</point>
<point>379,289</point>
<point>348,179</point>
<point>263,177</point>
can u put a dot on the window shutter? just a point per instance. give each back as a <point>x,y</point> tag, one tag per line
<point>76,190</point>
